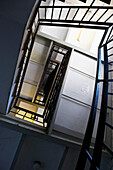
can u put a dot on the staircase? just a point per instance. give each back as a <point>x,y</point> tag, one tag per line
<point>102,21</point>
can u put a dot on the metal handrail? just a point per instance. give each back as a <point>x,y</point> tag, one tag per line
<point>96,158</point>
<point>26,48</point>
<point>91,121</point>
<point>97,153</point>
<point>77,9</point>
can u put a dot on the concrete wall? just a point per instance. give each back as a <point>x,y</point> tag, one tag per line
<point>49,154</point>
<point>9,141</point>
<point>76,98</point>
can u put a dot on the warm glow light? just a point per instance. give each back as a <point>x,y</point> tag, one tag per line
<point>80,32</point>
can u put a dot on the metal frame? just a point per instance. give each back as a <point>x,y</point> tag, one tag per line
<point>55,90</point>
<point>77,23</point>
<point>84,154</point>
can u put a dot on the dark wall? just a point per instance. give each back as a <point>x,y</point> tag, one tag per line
<point>9,141</point>
<point>13,17</point>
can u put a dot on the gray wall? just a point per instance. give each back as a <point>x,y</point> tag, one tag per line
<point>33,149</point>
<point>76,98</point>
<point>9,141</point>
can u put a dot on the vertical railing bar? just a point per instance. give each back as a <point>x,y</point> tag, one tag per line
<point>108,18</point>
<point>39,13</point>
<point>75,14</point>
<point>109,34</point>
<point>102,15</point>
<point>94,14</point>
<point>67,13</point>
<point>60,13</point>
<point>87,10</point>
<point>52,9</point>
<point>45,13</point>
<point>24,115</point>
<point>101,125</point>
<point>85,14</point>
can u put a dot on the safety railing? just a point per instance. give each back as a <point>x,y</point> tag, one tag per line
<point>56,86</point>
<point>24,56</point>
<point>95,17</point>
<point>95,159</point>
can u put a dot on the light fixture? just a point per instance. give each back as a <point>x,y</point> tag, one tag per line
<point>36,165</point>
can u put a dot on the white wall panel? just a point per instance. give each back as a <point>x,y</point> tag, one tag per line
<point>34,71</point>
<point>83,63</point>
<point>39,53</point>
<point>28,90</point>
<point>79,86</point>
<point>73,116</point>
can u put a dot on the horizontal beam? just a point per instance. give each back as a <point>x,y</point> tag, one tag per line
<point>30,102</point>
<point>74,26</point>
<point>75,21</point>
<point>27,111</point>
<point>91,7</point>
<point>29,128</point>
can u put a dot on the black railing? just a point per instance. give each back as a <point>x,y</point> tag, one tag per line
<point>84,154</point>
<point>73,21</point>
<point>54,93</point>
<point>24,55</point>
